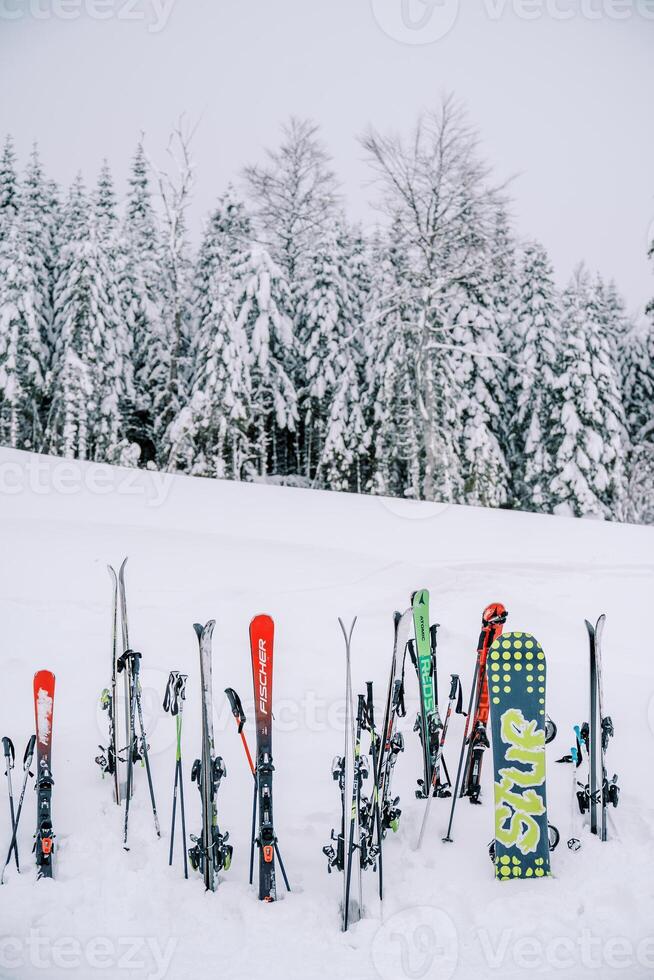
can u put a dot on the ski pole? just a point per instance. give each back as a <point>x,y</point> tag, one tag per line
<point>8,747</point>
<point>455,794</point>
<point>144,743</point>
<point>174,703</point>
<point>239,716</point>
<point>456,694</point>
<point>27,763</point>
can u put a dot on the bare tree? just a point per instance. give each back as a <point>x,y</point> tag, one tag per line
<point>175,186</point>
<point>294,194</point>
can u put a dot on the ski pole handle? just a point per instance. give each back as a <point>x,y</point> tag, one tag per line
<point>9,752</point>
<point>29,752</point>
<point>237,707</point>
<point>129,655</point>
<point>370,707</point>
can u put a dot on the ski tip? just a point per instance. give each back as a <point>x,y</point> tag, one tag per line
<point>261,619</point>
<point>347,633</point>
<point>121,570</point>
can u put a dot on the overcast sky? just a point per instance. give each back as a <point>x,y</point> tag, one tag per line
<point>561,93</point>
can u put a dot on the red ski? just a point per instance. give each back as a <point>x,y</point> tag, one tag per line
<point>44,689</point>
<point>262,637</point>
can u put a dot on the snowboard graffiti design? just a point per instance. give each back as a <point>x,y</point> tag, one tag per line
<point>517,679</point>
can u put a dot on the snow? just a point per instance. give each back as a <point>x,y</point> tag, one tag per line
<point>200,549</point>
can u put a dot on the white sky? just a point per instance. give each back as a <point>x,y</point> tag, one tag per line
<point>565,105</point>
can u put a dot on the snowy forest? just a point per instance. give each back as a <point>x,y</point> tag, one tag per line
<point>432,356</point>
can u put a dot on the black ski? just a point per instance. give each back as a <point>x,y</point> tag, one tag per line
<point>211,853</point>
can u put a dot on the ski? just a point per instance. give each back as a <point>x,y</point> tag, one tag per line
<point>347,772</point>
<point>127,674</point>
<point>262,638</point>
<point>371,825</point>
<point>392,741</point>
<point>607,792</point>
<point>211,853</point>
<point>517,680</point>
<point>137,746</point>
<point>428,723</point>
<point>44,690</point>
<point>27,773</point>
<point>108,758</point>
<point>493,619</point>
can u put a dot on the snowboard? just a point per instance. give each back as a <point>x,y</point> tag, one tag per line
<point>517,679</point>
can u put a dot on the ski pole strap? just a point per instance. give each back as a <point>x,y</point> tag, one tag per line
<point>175,692</point>
<point>29,752</point>
<point>8,748</point>
<point>236,706</point>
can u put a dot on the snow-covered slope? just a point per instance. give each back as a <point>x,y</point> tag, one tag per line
<point>200,549</point>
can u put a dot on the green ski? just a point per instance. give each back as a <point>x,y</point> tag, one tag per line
<point>428,723</point>
<point>517,678</point>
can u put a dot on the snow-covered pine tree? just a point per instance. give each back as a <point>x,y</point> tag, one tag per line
<point>538,317</point>
<point>344,461</point>
<point>324,326</point>
<point>211,432</point>
<point>23,327</point>
<point>142,301</point>
<point>170,366</point>
<point>9,189</point>
<point>262,315</point>
<point>637,365</point>
<point>390,391</point>
<point>588,419</point>
<point>39,211</point>
<point>478,373</point>
<point>90,354</point>
<point>505,294</point>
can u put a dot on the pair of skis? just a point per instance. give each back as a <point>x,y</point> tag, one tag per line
<point>428,722</point>
<point>136,748</point>
<point>212,852</point>
<point>598,792</point>
<point>358,844</point>
<point>262,642</point>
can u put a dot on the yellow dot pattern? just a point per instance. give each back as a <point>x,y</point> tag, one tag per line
<point>517,678</point>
